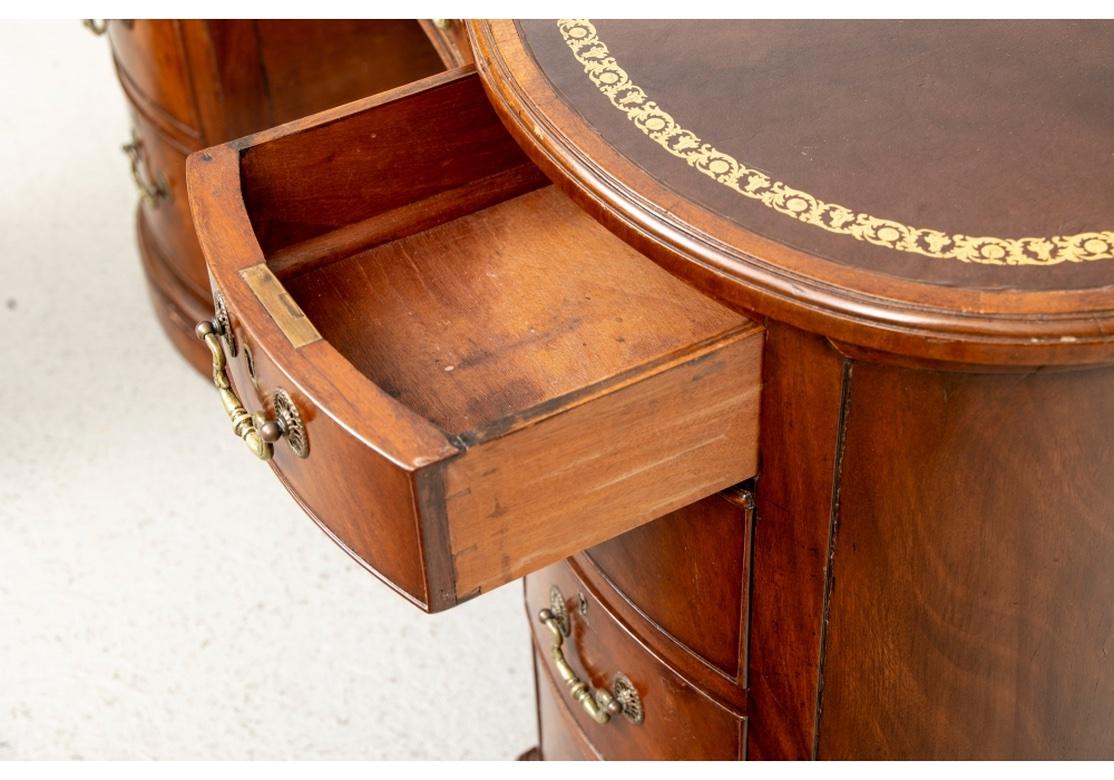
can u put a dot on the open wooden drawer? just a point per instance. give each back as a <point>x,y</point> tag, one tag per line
<point>485,380</point>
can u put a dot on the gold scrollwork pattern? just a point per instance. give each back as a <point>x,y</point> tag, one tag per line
<point>658,125</point>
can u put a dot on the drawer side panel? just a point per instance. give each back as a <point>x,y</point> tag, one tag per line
<point>578,478</point>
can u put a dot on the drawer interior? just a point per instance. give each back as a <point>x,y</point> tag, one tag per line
<point>487,321</point>
<point>478,317</point>
<point>491,379</point>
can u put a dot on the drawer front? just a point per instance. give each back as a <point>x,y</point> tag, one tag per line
<point>159,173</point>
<point>679,720</point>
<point>687,574</point>
<point>366,501</point>
<point>151,62</point>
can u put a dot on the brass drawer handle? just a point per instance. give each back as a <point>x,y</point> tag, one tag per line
<point>151,194</point>
<point>601,705</point>
<point>259,437</point>
<point>257,432</point>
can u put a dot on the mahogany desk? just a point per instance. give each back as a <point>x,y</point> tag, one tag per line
<point>838,482</point>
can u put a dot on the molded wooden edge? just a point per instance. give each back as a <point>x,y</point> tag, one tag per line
<point>632,611</point>
<point>896,325</point>
<point>318,371</point>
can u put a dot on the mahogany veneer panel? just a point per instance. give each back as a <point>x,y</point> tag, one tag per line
<point>802,402</point>
<point>154,71</point>
<point>973,553</point>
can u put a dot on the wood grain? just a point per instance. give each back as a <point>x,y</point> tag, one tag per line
<point>534,303</point>
<point>631,455</point>
<point>970,609</point>
<point>301,185</point>
<point>317,64</point>
<point>688,574</point>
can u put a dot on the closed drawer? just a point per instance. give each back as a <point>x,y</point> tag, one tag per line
<point>685,577</point>
<point>151,62</point>
<point>678,720</point>
<point>158,167</point>
<point>559,736</point>
<point>488,381</point>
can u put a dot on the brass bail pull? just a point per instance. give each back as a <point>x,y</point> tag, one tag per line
<point>258,438</point>
<point>601,705</point>
<point>151,193</point>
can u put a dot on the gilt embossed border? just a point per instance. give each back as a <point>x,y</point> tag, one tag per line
<point>658,125</point>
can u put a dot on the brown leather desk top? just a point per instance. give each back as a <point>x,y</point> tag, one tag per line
<point>964,170</point>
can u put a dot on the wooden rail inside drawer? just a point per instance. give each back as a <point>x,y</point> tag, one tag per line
<point>516,382</point>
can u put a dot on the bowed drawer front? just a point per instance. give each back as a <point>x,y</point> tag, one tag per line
<point>485,380</point>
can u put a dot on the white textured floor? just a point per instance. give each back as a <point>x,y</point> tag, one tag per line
<point>160,594</point>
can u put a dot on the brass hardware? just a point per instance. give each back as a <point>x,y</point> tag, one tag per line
<point>558,610</point>
<point>224,324</point>
<point>286,313</point>
<point>249,359</point>
<point>581,604</point>
<point>627,696</point>
<point>259,435</point>
<point>601,705</point>
<point>442,24</point>
<point>290,423</point>
<point>151,194</point>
